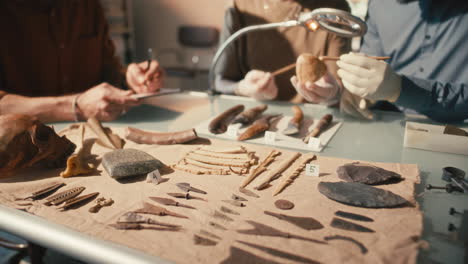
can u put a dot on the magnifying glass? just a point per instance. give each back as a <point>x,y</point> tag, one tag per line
<point>333,20</point>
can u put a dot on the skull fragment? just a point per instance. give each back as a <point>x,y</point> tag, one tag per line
<point>25,141</point>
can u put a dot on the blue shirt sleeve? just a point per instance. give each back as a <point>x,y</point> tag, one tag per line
<point>371,42</point>
<point>443,102</point>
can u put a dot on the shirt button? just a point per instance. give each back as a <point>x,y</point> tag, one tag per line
<point>421,69</point>
<point>428,37</point>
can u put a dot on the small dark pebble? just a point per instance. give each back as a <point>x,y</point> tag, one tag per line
<point>284,204</point>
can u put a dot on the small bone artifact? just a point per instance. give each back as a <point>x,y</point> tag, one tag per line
<point>260,168</point>
<point>203,241</point>
<point>276,172</point>
<point>80,200</point>
<point>306,158</point>
<point>365,173</point>
<point>361,195</point>
<point>157,210</point>
<point>186,196</point>
<point>184,186</point>
<point>249,115</point>
<point>295,123</point>
<point>170,202</point>
<point>279,253</point>
<point>354,216</point>
<point>259,126</point>
<point>134,226</point>
<point>220,123</point>
<point>105,136</point>
<point>307,223</point>
<point>350,239</point>
<point>45,191</point>
<point>76,164</point>
<point>264,230</point>
<point>323,124</point>
<point>235,203</point>
<point>224,209</point>
<point>248,192</point>
<point>309,68</point>
<point>123,163</point>
<point>100,202</point>
<point>238,198</point>
<point>61,197</point>
<point>132,217</point>
<point>158,138</point>
<point>349,226</point>
<point>284,204</point>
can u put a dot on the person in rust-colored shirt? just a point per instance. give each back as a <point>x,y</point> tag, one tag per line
<point>57,62</point>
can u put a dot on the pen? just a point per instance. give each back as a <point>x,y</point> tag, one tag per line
<point>150,58</point>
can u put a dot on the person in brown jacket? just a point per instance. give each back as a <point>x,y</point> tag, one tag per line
<point>246,67</point>
<point>57,62</point>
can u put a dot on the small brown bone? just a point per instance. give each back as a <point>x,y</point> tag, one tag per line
<point>76,164</point>
<point>220,123</point>
<point>264,230</point>
<point>45,191</point>
<point>100,202</point>
<point>249,115</point>
<point>309,68</point>
<point>259,126</point>
<point>295,122</point>
<point>324,122</point>
<point>157,210</point>
<point>157,138</point>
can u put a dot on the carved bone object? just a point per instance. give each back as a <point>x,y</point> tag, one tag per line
<point>249,115</point>
<point>259,126</point>
<point>260,168</point>
<point>158,138</point>
<point>306,158</point>
<point>105,136</point>
<point>276,172</point>
<point>295,123</point>
<point>324,122</point>
<point>157,210</point>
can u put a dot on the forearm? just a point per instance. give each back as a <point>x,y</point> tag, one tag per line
<point>447,102</point>
<point>47,109</point>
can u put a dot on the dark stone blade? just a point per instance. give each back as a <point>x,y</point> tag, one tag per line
<point>361,195</point>
<point>307,223</point>
<point>350,239</point>
<point>353,216</point>
<point>367,174</point>
<point>45,191</point>
<point>241,256</point>
<point>350,226</point>
<point>279,253</point>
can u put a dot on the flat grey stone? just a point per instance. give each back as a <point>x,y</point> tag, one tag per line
<point>367,174</point>
<point>124,163</point>
<point>361,195</point>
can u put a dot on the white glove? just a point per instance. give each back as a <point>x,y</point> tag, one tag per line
<point>259,85</point>
<point>325,90</point>
<point>355,105</point>
<point>369,78</point>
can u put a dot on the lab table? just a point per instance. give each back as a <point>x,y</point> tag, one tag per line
<point>379,140</point>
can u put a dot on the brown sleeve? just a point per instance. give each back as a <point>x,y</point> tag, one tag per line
<point>336,47</point>
<point>113,72</point>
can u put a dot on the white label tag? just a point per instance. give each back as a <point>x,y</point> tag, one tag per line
<point>312,170</point>
<point>314,143</point>
<point>233,131</point>
<point>154,177</point>
<point>270,137</point>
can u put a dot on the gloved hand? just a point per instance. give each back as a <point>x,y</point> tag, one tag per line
<point>325,90</point>
<point>259,85</point>
<point>355,106</point>
<point>369,78</point>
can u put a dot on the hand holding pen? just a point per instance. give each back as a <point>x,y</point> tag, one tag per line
<point>145,77</point>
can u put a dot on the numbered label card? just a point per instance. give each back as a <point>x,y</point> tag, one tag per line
<point>270,137</point>
<point>233,131</point>
<point>314,143</point>
<point>312,170</point>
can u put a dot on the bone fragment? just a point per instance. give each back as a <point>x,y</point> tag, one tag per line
<point>169,138</point>
<point>260,168</point>
<point>276,172</point>
<point>290,178</point>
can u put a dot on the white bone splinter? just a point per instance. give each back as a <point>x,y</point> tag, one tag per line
<point>260,168</point>
<point>290,178</point>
